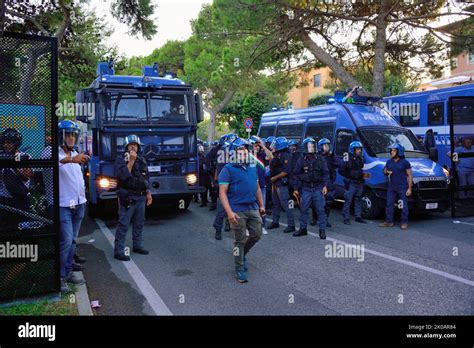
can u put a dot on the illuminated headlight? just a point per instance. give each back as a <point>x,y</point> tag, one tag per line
<point>107,183</point>
<point>191,179</point>
<point>446,172</point>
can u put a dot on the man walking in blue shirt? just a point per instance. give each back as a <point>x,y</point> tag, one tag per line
<point>241,197</point>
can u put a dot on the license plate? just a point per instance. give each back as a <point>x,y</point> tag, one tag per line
<point>431,205</point>
<point>152,169</point>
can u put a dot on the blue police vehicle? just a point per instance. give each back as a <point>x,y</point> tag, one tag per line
<point>163,111</point>
<point>422,111</point>
<point>343,123</point>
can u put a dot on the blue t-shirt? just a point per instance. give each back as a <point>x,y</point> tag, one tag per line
<point>242,181</point>
<point>465,164</point>
<point>398,178</point>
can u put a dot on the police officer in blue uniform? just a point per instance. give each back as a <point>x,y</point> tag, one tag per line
<point>399,172</point>
<point>312,179</point>
<point>351,170</point>
<point>268,182</point>
<point>222,156</point>
<point>280,169</point>
<point>134,194</point>
<point>332,162</point>
<point>242,200</point>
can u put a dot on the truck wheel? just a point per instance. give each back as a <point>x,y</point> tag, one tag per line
<point>370,205</point>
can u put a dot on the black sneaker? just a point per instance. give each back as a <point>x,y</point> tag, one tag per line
<point>347,222</point>
<point>77,267</point>
<point>301,232</point>
<point>122,257</point>
<point>322,234</point>
<point>289,229</point>
<point>218,235</point>
<point>142,251</point>
<point>273,225</point>
<point>360,220</point>
<point>79,259</point>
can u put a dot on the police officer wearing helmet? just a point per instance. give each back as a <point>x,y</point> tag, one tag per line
<point>312,179</point>
<point>351,170</point>
<point>134,195</point>
<point>241,197</point>
<point>399,172</point>
<point>72,199</point>
<point>280,169</point>
<point>332,162</point>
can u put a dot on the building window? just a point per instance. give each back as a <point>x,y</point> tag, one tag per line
<point>317,80</point>
<point>470,58</point>
<point>436,114</point>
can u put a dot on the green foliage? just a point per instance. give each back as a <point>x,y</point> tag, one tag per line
<point>136,14</point>
<point>203,130</point>
<point>318,99</point>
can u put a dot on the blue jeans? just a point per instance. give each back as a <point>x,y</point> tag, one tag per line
<point>220,216</point>
<point>391,199</point>
<point>136,215</point>
<point>354,192</point>
<point>315,196</point>
<point>69,224</point>
<point>280,197</point>
<point>466,178</point>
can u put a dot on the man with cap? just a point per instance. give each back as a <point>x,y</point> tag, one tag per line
<point>351,170</point>
<point>134,194</point>
<point>280,169</point>
<point>72,199</point>
<point>241,197</point>
<point>400,181</point>
<point>332,162</point>
<point>312,179</point>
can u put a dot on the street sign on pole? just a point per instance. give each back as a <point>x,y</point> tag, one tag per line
<point>248,123</point>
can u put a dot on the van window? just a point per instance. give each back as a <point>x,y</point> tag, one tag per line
<point>463,110</point>
<point>321,130</point>
<point>343,138</point>
<point>266,131</point>
<point>290,131</point>
<point>436,114</point>
<point>409,120</point>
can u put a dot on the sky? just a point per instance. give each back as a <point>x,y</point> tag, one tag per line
<point>172,18</point>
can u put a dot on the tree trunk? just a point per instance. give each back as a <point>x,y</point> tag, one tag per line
<point>380,49</point>
<point>211,133</point>
<point>321,55</point>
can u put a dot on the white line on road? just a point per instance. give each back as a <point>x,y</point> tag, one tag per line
<point>397,259</point>
<point>155,301</point>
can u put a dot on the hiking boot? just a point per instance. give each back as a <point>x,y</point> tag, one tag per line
<point>289,229</point>
<point>404,226</point>
<point>360,220</point>
<point>74,279</point>
<point>140,250</point>
<point>64,287</point>
<point>218,235</point>
<point>301,232</point>
<point>122,257</point>
<point>273,225</point>
<point>386,224</point>
<point>322,234</point>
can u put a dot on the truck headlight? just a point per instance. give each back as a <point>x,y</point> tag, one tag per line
<point>446,172</point>
<point>107,183</point>
<point>191,179</point>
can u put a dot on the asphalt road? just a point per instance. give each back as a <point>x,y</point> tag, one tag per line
<point>427,270</point>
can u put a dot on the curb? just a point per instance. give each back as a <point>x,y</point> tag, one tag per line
<point>82,299</point>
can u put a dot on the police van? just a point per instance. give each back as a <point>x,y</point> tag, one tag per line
<point>343,123</point>
<point>432,110</point>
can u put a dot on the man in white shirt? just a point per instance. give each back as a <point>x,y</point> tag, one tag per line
<point>72,199</point>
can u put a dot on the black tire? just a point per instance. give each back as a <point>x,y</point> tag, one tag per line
<point>370,205</point>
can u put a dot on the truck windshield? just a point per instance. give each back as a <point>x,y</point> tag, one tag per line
<point>379,139</point>
<point>123,107</point>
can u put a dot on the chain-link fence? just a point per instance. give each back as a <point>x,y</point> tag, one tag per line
<point>29,234</point>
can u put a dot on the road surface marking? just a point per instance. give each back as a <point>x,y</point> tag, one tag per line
<point>155,301</point>
<point>397,259</point>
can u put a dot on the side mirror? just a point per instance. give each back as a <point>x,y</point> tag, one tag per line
<point>199,111</point>
<point>433,154</point>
